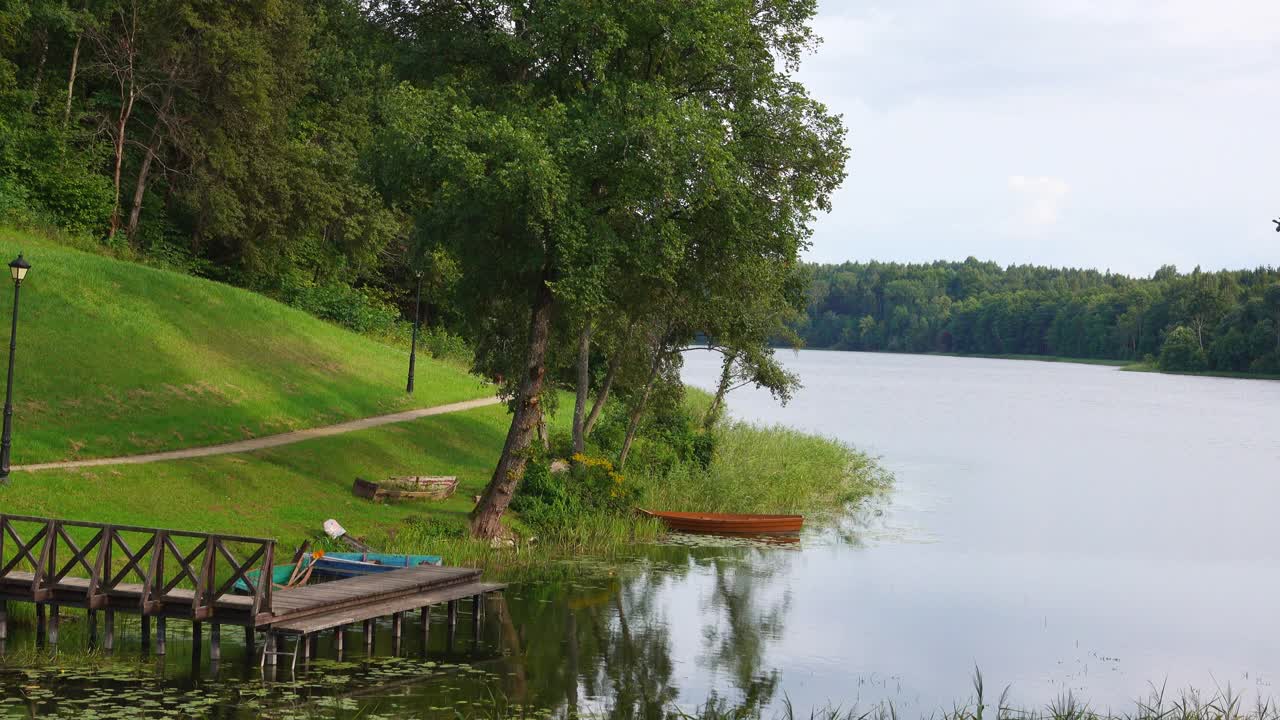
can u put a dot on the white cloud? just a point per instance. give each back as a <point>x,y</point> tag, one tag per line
<point>1040,199</point>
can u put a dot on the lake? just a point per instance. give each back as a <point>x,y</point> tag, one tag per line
<point>1062,527</point>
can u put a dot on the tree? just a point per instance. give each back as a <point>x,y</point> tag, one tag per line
<point>584,155</point>
<point>1182,352</point>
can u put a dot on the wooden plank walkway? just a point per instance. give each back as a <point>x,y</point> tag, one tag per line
<point>207,564</point>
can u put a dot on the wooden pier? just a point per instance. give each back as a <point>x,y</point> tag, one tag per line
<point>193,576</point>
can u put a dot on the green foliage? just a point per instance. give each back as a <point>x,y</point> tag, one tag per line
<point>978,308</point>
<point>359,310</point>
<point>161,360</point>
<point>1182,352</point>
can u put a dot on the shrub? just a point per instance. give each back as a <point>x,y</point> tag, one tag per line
<point>1182,352</point>
<point>354,309</point>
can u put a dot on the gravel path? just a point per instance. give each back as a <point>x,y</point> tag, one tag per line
<point>268,441</point>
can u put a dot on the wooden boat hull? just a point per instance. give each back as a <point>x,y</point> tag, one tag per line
<point>725,524</point>
<point>343,565</point>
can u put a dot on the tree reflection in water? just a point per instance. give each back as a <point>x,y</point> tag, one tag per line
<point>602,643</point>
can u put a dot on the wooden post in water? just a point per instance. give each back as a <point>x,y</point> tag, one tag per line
<point>109,630</point>
<point>215,642</point>
<point>250,640</point>
<point>40,625</point>
<point>368,637</point>
<point>426,627</point>
<point>197,640</point>
<point>269,652</point>
<point>305,641</point>
<point>4,620</point>
<point>53,625</point>
<point>146,634</point>
<point>477,609</point>
<point>160,635</point>
<point>340,639</point>
<point>453,614</point>
<point>91,628</point>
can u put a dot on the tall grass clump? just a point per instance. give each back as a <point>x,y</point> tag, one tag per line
<point>756,469</point>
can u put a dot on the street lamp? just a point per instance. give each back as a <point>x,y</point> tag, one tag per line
<point>18,270</point>
<point>413,345</point>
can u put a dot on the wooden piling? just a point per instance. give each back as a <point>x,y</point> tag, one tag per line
<point>53,625</point>
<point>146,634</point>
<point>91,628</point>
<point>368,637</point>
<point>453,614</point>
<point>4,620</point>
<point>426,627</point>
<point>250,640</point>
<point>476,612</point>
<point>197,641</point>
<point>160,635</point>
<point>269,656</point>
<point>215,642</point>
<point>340,639</point>
<point>109,630</point>
<point>40,624</point>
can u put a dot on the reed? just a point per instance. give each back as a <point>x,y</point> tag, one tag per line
<point>759,469</point>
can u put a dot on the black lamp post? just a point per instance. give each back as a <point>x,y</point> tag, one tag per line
<point>413,345</point>
<point>18,269</point>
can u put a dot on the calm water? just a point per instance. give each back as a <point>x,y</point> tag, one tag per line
<point>1063,527</point>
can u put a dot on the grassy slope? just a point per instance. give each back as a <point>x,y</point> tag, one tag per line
<point>284,492</point>
<point>116,358</point>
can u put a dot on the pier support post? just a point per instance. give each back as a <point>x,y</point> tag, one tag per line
<point>368,637</point>
<point>453,614</point>
<point>269,651</point>
<point>215,642</point>
<point>250,640</point>
<point>397,628</point>
<point>91,628</point>
<point>53,625</point>
<point>426,627</point>
<point>305,641</point>
<point>40,625</point>
<point>197,641</point>
<point>4,620</point>
<point>340,640</point>
<point>146,634</point>
<point>477,611</point>
<point>160,635</point>
<point>109,630</point>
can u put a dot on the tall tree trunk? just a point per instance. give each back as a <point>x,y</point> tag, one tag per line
<point>71,79</point>
<point>123,121</point>
<point>487,516</point>
<point>42,38</point>
<point>584,388</point>
<point>140,188</point>
<point>638,411</point>
<point>726,375</point>
<point>615,364</point>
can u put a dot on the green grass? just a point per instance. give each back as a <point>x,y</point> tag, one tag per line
<point>766,470</point>
<point>1044,358</point>
<point>1150,368</point>
<point>116,358</point>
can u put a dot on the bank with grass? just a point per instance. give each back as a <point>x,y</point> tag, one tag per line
<point>117,358</point>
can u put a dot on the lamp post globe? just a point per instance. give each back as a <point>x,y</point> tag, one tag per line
<point>18,269</point>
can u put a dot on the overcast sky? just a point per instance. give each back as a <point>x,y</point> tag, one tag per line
<point>1121,134</point>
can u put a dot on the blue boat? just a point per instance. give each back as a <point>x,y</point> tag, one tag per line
<point>336,565</point>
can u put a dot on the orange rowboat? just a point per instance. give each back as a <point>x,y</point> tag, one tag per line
<point>722,524</point>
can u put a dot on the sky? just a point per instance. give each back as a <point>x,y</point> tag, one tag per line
<point>1114,134</point>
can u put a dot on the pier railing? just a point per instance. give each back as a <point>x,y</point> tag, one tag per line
<point>95,565</point>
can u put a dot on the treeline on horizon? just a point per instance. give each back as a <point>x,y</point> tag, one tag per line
<point>1224,321</point>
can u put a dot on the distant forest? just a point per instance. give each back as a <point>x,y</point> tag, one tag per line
<point>1219,321</point>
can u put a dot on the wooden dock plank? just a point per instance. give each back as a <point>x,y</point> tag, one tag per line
<point>359,613</point>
